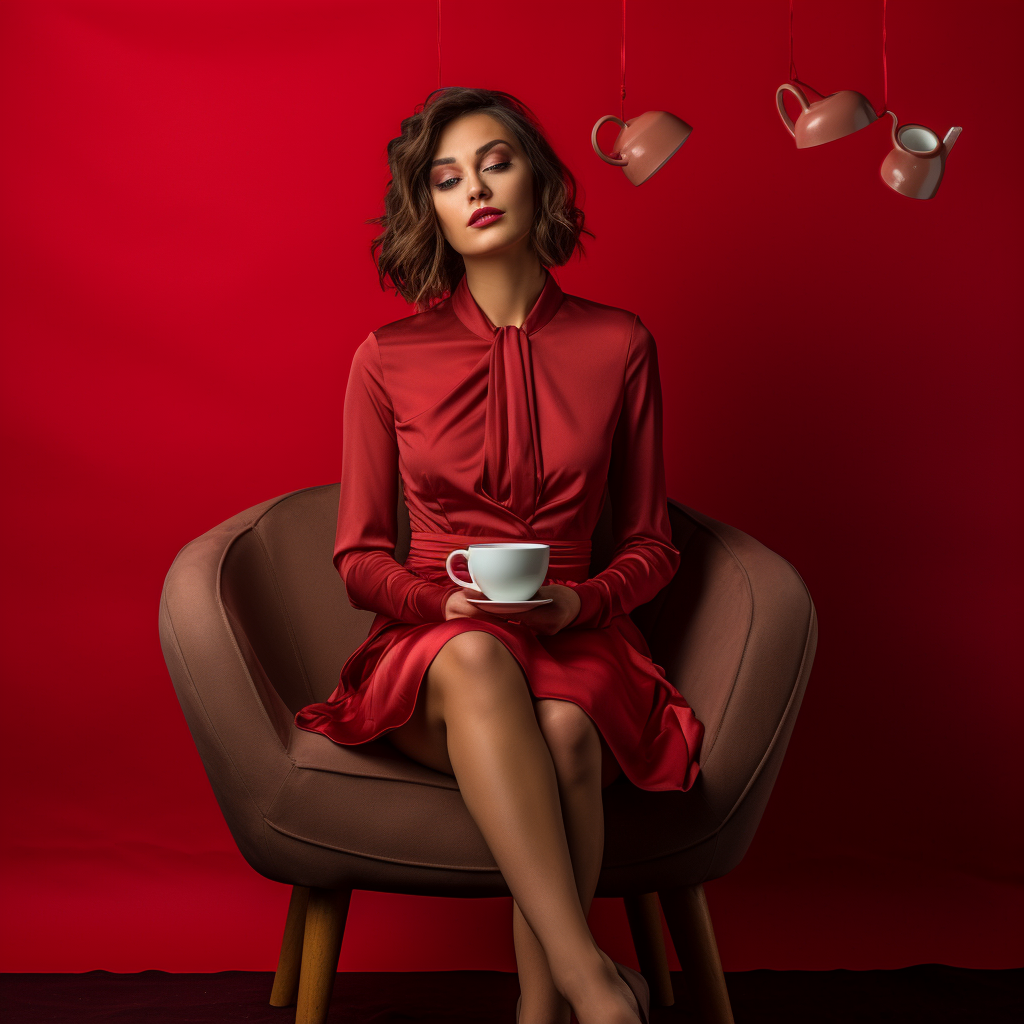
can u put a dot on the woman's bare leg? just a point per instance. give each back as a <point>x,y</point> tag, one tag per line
<point>576,751</point>
<point>507,778</point>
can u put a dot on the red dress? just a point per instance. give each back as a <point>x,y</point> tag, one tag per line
<point>506,434</point>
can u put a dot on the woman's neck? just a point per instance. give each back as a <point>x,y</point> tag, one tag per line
<point>505,287</point>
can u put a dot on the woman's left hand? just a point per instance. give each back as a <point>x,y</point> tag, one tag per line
<point>549,618</point>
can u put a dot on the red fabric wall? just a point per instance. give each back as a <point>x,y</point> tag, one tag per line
<point>186,276</point>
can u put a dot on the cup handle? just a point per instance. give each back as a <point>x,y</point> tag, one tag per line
<point>448,568</point>
<point>617,161</point>
<point>799,94</point>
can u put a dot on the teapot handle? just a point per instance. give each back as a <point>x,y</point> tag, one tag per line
<point>617,161</point>
<point>798,93</point>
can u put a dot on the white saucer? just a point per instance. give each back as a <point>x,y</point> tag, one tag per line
<point>508,606</point>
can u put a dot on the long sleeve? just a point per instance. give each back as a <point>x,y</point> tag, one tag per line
<point>367,528</point>
<point>644,559</point>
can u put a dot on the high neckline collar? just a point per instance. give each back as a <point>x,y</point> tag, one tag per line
<point>470,313</point>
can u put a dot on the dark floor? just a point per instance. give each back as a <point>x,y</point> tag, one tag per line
<point>928,992</point>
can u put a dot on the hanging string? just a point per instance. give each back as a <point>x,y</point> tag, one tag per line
<point>622,55</point>
<point>792,65</point>
<point>885,71</point>
<point>439,44</point>
<point>792,62</point>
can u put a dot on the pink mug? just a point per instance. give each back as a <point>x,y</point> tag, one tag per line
<point>917,160</point>
<point>645,143</point>
<point>826,119</point>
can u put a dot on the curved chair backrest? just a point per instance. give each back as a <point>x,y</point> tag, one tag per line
<point>255,624</point>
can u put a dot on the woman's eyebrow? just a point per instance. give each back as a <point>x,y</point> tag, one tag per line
<point>484,148</point>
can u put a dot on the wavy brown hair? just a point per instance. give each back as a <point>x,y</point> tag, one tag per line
<point>422,265</point>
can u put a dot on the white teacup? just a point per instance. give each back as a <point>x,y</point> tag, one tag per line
<point>511,571</point>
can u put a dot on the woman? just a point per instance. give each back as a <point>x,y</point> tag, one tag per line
<point>508,405</point>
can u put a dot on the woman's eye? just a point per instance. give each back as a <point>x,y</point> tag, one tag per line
<point>444,186</point>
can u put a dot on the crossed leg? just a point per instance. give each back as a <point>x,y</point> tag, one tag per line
<point>584,766</point>
<point>522,768</point>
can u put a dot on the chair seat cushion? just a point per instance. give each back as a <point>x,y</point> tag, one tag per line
<point>373,801</point>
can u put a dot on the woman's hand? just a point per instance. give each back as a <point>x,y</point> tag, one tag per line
<point>458,606</point>
<point>550,618</point>
<point>545,618</point>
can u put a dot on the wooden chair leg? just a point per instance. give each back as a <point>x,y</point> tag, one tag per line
<point>644,913</point>
<point>689,924</point>
<point>326,913</point>
<point>286,980</point>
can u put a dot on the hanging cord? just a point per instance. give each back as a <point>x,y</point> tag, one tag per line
<point>439,44</point>
<point>885,71</point>
<point>792,63</point>
<point>622,55</point>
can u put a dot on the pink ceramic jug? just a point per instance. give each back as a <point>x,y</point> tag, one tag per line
<point>917,160</point>
<point>826,119</point>
<point>645,143</point>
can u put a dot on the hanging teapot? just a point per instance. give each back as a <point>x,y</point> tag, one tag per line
<point>915,165</point>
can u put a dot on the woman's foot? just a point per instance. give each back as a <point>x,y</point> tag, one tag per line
<point>609,1003</point>
<point>621,982</point>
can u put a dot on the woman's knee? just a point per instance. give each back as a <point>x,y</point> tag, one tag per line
<point>572,738</point>
<point>475,665</point>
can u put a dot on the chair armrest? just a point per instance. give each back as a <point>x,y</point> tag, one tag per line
<point>736,633</point>
<point>240,726</point>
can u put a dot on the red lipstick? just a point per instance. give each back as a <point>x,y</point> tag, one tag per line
<point>485,215</point>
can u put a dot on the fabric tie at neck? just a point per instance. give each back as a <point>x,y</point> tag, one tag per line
<point>512,471</point>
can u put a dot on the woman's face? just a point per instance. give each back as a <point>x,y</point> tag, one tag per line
<point>479,163</point>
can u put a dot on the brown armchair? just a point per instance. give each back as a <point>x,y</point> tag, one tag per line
<point>255,624</point>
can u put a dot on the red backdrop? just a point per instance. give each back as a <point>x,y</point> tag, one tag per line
<point>186,276</point>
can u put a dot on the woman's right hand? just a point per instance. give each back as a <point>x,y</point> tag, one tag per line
<point>459,606</point>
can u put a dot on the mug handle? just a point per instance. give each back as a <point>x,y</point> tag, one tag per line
<point>448,568</point>
<point>798,93</point>
<point>617,161</point>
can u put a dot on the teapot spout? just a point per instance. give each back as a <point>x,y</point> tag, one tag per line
<point>951,136</point>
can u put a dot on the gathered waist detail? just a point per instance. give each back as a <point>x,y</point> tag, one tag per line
<point>567,559</point>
